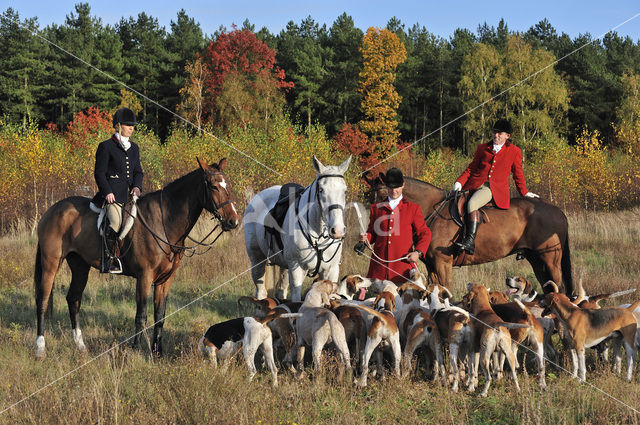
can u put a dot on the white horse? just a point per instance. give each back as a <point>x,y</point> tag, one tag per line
<point>311,233</point>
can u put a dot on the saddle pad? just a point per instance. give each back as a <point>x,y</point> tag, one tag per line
<point>275,217</point>
<point>101,213</point>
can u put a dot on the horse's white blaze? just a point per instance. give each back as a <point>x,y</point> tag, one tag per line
<point>77,338</point>
<point>223,184</point>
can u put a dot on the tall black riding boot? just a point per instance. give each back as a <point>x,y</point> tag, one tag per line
<point>468,243</point>
<point>113,262</point>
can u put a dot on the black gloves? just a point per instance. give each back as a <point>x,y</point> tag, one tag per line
<point>360,247</point>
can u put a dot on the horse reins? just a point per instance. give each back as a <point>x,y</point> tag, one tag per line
<point>307,235</point>
<point>176,249</point>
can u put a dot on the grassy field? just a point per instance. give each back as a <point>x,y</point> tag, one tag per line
<point>130,386</point>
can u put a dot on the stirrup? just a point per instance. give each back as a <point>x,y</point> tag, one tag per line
<point>115,266</point>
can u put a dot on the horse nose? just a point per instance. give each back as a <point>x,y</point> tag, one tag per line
<point>231,223</point>
<point>338,232</point>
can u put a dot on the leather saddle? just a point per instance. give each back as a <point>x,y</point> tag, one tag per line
<point>458,208</point>
<point>274,219</point>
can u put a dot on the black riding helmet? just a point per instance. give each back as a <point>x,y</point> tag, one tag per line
<point>124,116</point>
<point>393,178</point>
<point>503,126</point>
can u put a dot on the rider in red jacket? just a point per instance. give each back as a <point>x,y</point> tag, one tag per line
<point>392,226</point>
<point>487,177</point>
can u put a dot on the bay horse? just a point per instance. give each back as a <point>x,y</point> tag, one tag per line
<point>311,233</point>
<point>151,251</point>
<point>532,229</point>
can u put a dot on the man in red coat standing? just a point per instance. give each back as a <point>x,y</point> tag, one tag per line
<point>392,226</point>
<point>487,177</point>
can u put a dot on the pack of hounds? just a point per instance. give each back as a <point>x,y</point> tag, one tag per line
<point>422,323</point>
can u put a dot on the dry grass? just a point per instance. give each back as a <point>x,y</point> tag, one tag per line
<point>129,386</point>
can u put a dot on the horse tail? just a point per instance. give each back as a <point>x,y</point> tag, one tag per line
<point>565,265</point>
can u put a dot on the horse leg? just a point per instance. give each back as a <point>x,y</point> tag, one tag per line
<point>79,275</point>
<point>44,274</point>
<point>257,275</point>
<point>296,277</point>
<point>143,288</point>
<point>160,295</point>
<point>441,274</point>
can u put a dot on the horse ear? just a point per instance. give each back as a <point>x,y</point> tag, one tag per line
<point>318,165</point>
<point>344,166</point>
<point>367,179</point>
<point>203,165</point>
<point>222,164</point>
<point>381,176</point>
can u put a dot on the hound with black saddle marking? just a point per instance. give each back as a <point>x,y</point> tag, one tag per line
<point>223,340</point>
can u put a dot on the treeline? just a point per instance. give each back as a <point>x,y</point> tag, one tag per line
<point>269,102</point>
<point>440,79</point>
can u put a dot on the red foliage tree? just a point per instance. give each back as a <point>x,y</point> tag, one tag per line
<point>87,126</point>
<point>353,141</point>
<point>240,52</point>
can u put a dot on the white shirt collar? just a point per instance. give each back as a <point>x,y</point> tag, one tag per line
<point>124,141</point>
<point>393,203</point>
<point>496,148</point>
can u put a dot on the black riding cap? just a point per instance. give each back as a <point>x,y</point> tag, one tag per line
<point>393,178</point>
<point>124,116</point>
<point>502,126</point>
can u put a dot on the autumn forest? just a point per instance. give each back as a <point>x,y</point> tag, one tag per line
<point>399,91</point>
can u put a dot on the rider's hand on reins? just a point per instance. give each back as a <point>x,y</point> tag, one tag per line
<point>110,198</point>
<point>413,257</point>
<point>135,191</point>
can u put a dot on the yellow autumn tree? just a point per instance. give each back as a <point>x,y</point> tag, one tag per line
<point>382,52</point>
<point>627,127</point>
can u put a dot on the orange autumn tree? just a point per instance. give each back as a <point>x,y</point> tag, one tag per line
<point>382,52</point>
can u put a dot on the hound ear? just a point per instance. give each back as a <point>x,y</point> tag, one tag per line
<point>222,164</point>
<point>203,165</point>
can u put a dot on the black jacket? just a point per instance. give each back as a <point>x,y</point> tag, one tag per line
<point>117,171</point>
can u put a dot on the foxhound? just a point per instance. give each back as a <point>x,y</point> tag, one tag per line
<point>223,340</point>
<point>489,332</point>
<point>318,325</point>
<point>588,327</point>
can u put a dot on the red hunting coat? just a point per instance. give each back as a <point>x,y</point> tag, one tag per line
<point>495,168</point>
<point>391,233</point>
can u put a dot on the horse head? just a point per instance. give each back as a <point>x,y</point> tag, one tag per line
<point>378,191</point>
<point>331,190</point>
<point>217,196</point>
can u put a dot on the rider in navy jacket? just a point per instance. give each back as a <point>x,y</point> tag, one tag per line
<point>118,173</point>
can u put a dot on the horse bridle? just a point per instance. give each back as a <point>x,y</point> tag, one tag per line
<point>209,187</point>
<point>307,235</point>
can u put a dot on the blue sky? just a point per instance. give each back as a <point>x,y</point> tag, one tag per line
<point>440,18</point>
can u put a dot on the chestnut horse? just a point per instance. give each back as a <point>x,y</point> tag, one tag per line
<point>151,251</point>
<point>530,228</point>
